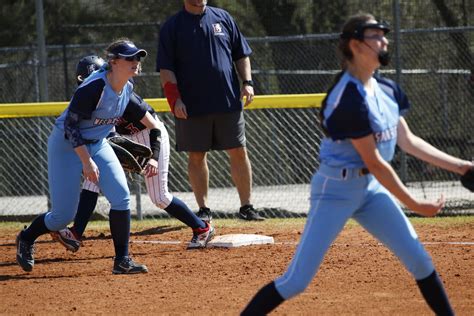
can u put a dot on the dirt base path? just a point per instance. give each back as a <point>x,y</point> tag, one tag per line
<point>357,277</point>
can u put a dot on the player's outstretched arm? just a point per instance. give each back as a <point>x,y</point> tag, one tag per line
<point>385,174</point>
<point>418,147</point>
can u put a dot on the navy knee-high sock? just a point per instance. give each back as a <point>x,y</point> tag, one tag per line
<point>86,207</point>
<point>433,291</point>
<point>120,229</point>
<point>36,229</point>
<point>181,211</point>
<point>266,300</point>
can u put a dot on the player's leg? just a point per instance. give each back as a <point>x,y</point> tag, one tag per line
<point>113,184</point>
<point>87,203</point>
<point>70,238</point>
<point>64,175</point>
<point>332,203</point>
<point>157,187</point>
<point>194,135</point>
<point>384,219</point>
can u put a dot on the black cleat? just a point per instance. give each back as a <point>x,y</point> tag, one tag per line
<point>204,213</point>
<point>248,213</point>
<point>25,254</point>
<point>127,266</point>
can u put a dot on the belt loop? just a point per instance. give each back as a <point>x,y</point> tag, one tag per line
<point>344,173</point>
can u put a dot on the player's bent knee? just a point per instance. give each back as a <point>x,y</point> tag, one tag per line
<point>55,221</point>
<point>120,204</point>
<point>421,266</point>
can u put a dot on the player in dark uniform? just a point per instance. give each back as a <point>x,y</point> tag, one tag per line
<point>157,184</point>
<point>362,115</point>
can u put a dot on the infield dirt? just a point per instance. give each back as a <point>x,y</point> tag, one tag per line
<point>358,276</point>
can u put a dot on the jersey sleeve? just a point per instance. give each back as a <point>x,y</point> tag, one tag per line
<point>240,46</point>
<point>166,53</point>
<point>86,98</point>
<point>136,109</point>
<point>349,118</point>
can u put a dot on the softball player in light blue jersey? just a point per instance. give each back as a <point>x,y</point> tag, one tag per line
<point>362,116</point>
<point>77,146</point>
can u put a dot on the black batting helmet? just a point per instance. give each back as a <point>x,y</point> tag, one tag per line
<point>86,66</point>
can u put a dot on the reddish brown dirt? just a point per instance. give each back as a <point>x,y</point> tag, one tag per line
<point>358,275</point>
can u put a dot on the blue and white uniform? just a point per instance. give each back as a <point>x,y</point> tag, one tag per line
<point>342,188</point>
<point>92,113</point>
<point>130,127</point>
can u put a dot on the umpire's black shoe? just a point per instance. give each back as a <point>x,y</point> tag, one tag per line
<point>204,213</point>
<point>25,253</point>
<point>127,266</point>
<point>248,213</point>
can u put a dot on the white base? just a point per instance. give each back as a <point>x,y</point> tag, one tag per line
<point>237,240</point>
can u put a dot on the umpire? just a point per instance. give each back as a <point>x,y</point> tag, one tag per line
<point>197,50</point>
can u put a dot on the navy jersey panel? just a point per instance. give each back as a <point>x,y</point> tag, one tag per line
<point>349,117</point>
<point>130,122</point>
<point>86,98</point>
<point>201,51</point>
<point>350,112</point>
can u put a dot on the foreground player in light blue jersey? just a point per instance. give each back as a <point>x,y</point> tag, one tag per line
<point>77,146</point>
<point>362,116</point>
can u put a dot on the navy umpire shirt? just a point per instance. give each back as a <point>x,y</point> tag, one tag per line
<point>200,50</point>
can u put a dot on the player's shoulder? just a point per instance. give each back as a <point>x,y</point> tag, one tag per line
<point>384,81</point>
<point>345,88</point>
<point>94,83</point>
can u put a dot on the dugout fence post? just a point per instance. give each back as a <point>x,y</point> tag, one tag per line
<point>398,74</point>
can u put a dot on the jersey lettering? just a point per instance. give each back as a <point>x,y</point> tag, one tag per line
<point>107,121</point>
<point>386,135</point>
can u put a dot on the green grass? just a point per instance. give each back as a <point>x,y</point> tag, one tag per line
<point>235,223</point>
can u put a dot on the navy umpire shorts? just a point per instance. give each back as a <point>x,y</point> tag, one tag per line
<point>219,131</point>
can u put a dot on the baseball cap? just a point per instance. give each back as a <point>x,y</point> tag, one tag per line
<point>127,49</point>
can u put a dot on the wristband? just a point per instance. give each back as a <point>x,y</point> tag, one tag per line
<point>172,94</point>
<point>155,141</point>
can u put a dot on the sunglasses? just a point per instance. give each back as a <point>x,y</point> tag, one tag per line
<point>131,58</point>
<point>375,37</point>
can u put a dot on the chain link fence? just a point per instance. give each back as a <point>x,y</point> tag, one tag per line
<point>434,66</point>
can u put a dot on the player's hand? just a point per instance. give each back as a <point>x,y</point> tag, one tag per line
<point>429,208</point>
<point>248,93</point>
<point>90,171</point>
<point>151,168</point>
<point>180,110</point>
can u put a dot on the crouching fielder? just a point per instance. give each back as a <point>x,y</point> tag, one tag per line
<point>362,118</point>
<point>140,124</point>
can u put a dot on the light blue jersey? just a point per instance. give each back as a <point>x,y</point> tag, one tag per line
<point>99,106</point>
<point>343,188</point>
<point>350,112</point>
